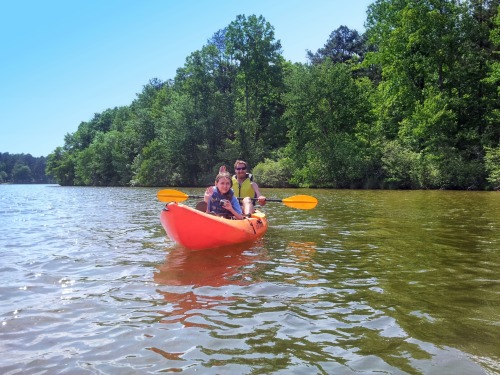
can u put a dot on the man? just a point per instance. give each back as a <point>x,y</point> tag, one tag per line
<point>244,187</point>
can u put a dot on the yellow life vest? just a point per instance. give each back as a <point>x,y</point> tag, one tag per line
<point>244,189</point>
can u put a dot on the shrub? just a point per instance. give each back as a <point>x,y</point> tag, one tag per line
<point>277,174</point>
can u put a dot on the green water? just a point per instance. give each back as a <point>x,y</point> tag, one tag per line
<point>431,257</point>
<point>392,282</point>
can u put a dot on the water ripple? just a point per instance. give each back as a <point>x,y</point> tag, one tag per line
<point>369,282</point>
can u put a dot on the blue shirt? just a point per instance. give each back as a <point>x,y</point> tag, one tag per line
<point>214,204</point>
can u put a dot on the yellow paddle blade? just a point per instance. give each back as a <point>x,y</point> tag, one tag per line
<point>303,202</point>
<point>170,195</point>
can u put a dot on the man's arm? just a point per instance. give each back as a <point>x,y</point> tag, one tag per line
<point>260,198</point>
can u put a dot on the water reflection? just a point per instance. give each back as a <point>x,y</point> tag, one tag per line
<point>214,267</point>
<point>296,266</point>
<point>202,273</point>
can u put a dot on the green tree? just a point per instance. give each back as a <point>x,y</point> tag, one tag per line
<point>431,126</point>
<point>105,162</point>
<point>21,174</point>
<point>61,166</point>
<point>492,131</point>
<point>492,164</point>
<point>208,81</point>
<point>173,157</point>
<point>413,103</point>
<point>343,45</point>
<point>3,172</point>
<point>251,44</point>
<point>412,46</point>
<point>154,167</point>
<point>324,109</point>
<point>432,96</point>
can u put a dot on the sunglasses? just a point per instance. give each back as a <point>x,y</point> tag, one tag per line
<point>241,169</point>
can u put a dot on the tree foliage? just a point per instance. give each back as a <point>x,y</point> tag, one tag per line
<point>413,103</point>
<point>23,169</point>
<point>342,46</point>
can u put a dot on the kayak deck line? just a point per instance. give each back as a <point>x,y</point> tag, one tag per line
<point>252,226</point>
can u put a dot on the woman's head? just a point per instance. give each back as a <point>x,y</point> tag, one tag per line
<point>224,182</point>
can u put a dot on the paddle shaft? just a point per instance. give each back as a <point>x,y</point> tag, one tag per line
<point>254,199</point>
<point>303,202</point>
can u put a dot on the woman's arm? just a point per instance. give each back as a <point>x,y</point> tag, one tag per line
<point>206,197</point>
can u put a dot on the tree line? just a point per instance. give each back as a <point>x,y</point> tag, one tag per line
<point>22,169</point>
<point>412,103</point>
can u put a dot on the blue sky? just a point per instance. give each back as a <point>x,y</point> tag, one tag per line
<point>62,61</point>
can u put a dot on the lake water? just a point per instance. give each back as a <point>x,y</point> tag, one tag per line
<point>369,282</point>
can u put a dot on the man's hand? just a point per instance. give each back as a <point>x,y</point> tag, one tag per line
<point>261,200</point>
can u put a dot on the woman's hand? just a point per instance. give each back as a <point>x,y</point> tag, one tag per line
<point>227,205</point>
<point>208,193</point>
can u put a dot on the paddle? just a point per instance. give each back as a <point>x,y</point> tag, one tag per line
<point>303,202</point>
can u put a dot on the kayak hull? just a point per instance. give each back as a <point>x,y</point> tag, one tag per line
<point>198,230</point>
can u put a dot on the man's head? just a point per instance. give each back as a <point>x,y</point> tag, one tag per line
<point>240,167</point>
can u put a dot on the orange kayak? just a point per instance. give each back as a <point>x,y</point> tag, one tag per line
<point>198,230</point>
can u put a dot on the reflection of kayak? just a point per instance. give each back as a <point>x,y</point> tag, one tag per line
<point>198,230</point>
<point>230,265</point>
<point>225,267</point>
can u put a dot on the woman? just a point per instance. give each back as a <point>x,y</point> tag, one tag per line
<point>221,200</point>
